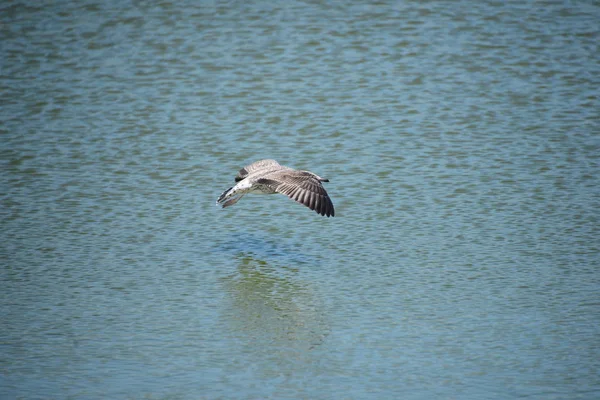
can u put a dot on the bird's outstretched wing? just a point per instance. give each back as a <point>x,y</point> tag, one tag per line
<point>255,166</point>
<point>302,187</point>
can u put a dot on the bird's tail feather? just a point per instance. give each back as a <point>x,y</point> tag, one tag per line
<point>223,195</point>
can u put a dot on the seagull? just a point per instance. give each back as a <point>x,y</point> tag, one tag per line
<point>268,177</point>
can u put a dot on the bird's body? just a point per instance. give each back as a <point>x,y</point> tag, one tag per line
<point>268,177</point>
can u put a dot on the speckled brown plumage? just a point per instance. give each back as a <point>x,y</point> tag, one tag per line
<point>268,176</point>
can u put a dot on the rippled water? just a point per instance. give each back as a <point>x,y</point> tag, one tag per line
<point>462,144</point>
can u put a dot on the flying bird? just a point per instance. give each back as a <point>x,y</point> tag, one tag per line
<point>268,177</point>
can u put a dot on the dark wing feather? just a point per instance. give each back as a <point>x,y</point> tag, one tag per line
<point>302,187</point>
<point>255,166</point>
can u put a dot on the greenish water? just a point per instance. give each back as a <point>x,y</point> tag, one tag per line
<point>461,141</point>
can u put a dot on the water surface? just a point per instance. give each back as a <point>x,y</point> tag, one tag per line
<point>461,140</point>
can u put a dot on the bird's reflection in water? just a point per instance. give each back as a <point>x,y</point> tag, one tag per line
<point>276,315</point>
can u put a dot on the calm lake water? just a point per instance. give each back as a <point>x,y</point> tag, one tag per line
<point>462,144</point>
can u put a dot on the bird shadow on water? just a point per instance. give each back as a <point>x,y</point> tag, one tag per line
<point>276,252</point>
